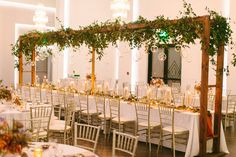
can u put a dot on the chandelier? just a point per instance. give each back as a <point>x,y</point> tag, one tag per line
<point>40,18</point>
<point>120,8</point>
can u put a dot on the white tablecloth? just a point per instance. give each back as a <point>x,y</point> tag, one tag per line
<point>9,113</point>
<point>186,120</point>
<point>61,150</point>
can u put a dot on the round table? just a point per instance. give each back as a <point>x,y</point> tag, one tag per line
<point>58,150</point>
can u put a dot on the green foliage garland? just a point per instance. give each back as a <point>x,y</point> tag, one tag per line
<point>180,33</point>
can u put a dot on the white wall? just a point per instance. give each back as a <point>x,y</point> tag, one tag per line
<point>9,16</point>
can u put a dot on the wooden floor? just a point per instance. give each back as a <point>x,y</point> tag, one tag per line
<point>104,147</point>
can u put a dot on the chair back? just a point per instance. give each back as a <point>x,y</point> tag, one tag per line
<point>100,105</point>
<point>58,102</point>
<point>83,102</point>
<point>124,142</point>
<point>166,114</point>
<point>231,103</point>
<point>142,113</point>
<point>42,112</point>
<point>87,134</point>
<point>114,108</point>
<point>69,114</point>
<point>69,98</point>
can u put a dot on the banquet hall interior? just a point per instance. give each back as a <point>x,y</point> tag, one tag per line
<point>106,78</point>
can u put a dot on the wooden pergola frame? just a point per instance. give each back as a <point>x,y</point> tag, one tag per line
<point>205,36</point>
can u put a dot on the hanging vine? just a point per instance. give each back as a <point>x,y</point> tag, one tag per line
<point>158,32</point>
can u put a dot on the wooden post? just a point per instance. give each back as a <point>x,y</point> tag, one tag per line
<point>93,70</point>
<point>204,88</point>
<point>20,64</point>
<point>218,98</point>
<point>33,68</point>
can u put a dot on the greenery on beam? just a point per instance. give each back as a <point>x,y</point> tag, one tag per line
<point>181,33</point>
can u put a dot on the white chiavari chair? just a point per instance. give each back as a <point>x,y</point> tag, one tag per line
<point>125,143</point>
<point>62,130</point>
<point>86,136</point>
<point>229,111</point>
<point>117,121</point>
<point>86,115</point>
<point>43,113</point>
<point>169,130</point>
<point>103,116</point>
<point>144,125</point>
<point>58,102</point>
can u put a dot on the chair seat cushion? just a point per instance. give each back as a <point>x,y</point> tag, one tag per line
<point>42,133</point>
<point>107,116</point>
<point>177,130</point>
<point>152,124</point>
<point>122,120</point>
<point>59,127</point>
<point>92,112</point>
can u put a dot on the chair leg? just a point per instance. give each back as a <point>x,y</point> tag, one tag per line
<point>159,144</point>
<point>149,140</point>
<point>173,145</point>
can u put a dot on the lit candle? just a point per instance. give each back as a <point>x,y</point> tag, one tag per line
<point>38,152</point>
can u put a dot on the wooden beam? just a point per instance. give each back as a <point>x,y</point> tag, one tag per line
<point>20,64</point>
<point>218,98</point>
<point>204,88</point>
<point>93,70</point>
<point>128,26</point>
<point>33,68</point>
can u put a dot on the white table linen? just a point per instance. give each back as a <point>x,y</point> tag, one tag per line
<point>62,150</point>
<point>183,119</point>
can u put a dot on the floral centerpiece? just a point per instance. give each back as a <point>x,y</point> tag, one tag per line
<point>12,140</point>
<point>157,82</point>
<point>197,87</point>
<point>5,93</point>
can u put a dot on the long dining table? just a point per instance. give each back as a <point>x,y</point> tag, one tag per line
<point>184,119</point>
